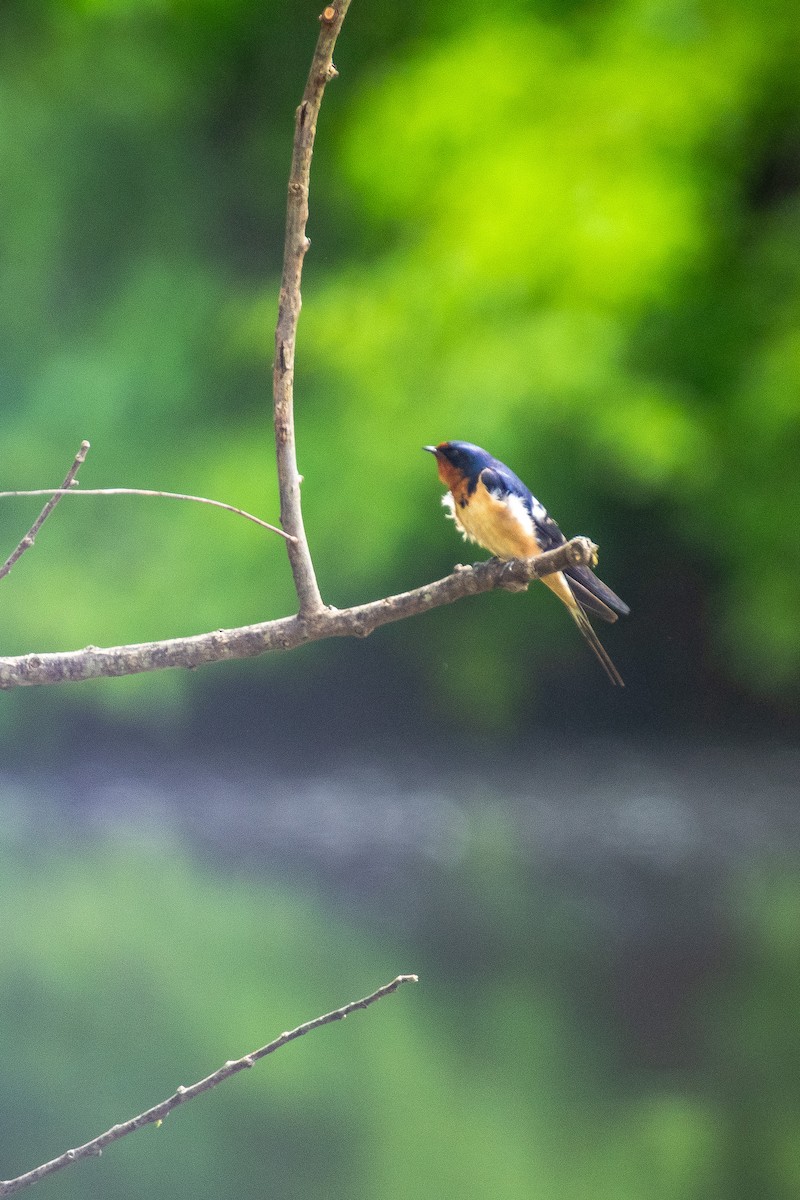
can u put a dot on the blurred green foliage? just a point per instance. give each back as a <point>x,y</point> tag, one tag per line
<point>569,233</point>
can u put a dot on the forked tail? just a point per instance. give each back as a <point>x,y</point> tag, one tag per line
<point>582,621</point>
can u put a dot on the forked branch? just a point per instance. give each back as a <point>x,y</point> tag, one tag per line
<point>30,536</point>
<point>286,633</point>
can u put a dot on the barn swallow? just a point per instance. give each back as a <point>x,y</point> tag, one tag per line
<point>492,506</point>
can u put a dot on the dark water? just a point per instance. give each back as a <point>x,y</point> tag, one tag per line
<point>614,823</point>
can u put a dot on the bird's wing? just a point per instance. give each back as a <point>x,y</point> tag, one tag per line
<point>592,593</point>
<point>589,602</point>
<point>500,481</point>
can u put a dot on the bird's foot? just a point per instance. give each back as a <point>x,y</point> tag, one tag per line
<point>509,581</point>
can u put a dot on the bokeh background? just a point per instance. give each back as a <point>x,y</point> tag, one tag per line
<point>569,232</point>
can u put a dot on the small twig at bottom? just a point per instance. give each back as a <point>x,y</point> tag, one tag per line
<point>154,1116</point>
<point>30,536</point>
<point>120,491</point>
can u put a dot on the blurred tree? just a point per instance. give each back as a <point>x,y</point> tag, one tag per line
<point>567,233</point>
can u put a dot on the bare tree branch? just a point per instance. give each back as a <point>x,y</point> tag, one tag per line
<point>155,1115</point>
<point>58,494</point>
<point>287,633</point>
<point>295,246</point>
<point>121,491</point>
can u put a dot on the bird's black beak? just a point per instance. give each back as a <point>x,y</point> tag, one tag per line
<point>430,449</point>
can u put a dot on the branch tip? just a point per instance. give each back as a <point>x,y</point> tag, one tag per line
<point>29,538</point>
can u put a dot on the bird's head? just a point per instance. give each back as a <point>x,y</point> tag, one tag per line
<point>459,460</point>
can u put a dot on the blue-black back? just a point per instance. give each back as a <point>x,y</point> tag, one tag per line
<point>471,460</point>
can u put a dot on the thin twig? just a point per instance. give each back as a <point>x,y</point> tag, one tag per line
<point>95,1147</point>
<point>295,246</point>
<point>55,496</point>
<point>240,512</point>
<point>287,633</point>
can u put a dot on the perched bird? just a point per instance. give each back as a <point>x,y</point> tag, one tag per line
<point>493,507</point>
